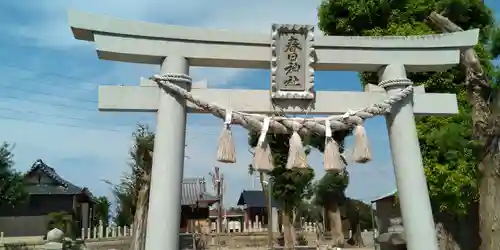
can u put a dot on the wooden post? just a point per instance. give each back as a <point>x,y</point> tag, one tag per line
<point>217,182</point>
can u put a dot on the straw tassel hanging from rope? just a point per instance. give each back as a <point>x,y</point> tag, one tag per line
<point>226,151</point>
<point>362,153</point>
<point>262,159</point>
<point>332,158</point>
<point>297,158</point>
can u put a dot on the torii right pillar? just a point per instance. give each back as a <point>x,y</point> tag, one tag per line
<point>411,183</point>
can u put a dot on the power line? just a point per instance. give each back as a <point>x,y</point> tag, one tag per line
<point>52,94</point>
<point>65,117</point>
<point>78,119</point>
<point>38,92</point>
<point>61,124</point>
<point>59,116</point>
<point>50,103</point>
<point>47,73</point>
<point>53,84</point>
<point>57,124</point>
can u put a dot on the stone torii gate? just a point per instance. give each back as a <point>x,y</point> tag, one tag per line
<point>176,48</point>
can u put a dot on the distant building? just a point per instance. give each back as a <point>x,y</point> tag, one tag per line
<point>389,222</point>
<point>386,208</point>
<point>195,203</point>
<point>48,193</point>
<point>254,204</point>
<point>232,220</point>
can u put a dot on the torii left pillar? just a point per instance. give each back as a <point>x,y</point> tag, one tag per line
<point>168,164</point>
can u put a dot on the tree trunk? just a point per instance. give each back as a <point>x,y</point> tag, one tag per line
<point>353,216</point>
<point>335,221</point>
<point>287,230</point>
<point>294,226</point>
<point>356,238</point>
<point>140,217</point>
<point>489,202</point>
<point>489,182</point>
<point>446,240</point>
<point>485,118</point>
<point>458,232</point>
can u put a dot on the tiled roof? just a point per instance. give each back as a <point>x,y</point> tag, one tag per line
<point>194,190</point>
<point>64,187</point>
<point>254,198</point>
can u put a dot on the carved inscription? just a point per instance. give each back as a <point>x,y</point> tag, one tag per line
<point>292,74</point>
<point>291,62</point>
<point>292,50</point>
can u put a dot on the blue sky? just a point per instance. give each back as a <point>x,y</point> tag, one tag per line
<point>48,102</point>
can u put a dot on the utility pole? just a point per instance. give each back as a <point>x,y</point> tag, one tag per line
<point>221,203</point>
<point>217,180</point>
<point>223,210</point>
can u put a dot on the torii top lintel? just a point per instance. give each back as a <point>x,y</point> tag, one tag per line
<point>142,42</point>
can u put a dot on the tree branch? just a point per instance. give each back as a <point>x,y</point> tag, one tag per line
<point>468,58</point>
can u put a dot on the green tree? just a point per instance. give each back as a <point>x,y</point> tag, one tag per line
<point>63,221</point>
<point>289,187</point>
<point>127,191</point>
<point>310,211</point>
<point>101,208</point>
<point>365,213</point>
<point>235,210</point>
<point>453,148</point>
<point>132,193</point>
<point>125,207</point>
<point>330,194</point>
<point>12,191</point>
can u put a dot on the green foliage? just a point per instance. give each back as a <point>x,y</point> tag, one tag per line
<point>293,188</point>
<point>494,45</point>
<point>331,188</point>
<point>235,210</point>
<point>290,187</point>
<point>446,142</point>
<point>364,211</point>
<point>63,221</point>
<point>310,211</point>
<point>126,192</point>
<point>102,213</point>
<point>318,142</point>
<point>12,191</point>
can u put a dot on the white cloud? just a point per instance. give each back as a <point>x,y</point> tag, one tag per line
<point>79,143</point>
<point>233,15</point>
<point>219,14</point>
